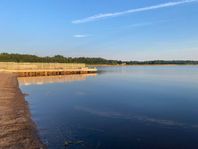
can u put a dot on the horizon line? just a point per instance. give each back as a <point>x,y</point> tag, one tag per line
<point>157,59</point>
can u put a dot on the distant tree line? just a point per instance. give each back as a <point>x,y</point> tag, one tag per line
<point>163,62</point>
<point>6,57</point>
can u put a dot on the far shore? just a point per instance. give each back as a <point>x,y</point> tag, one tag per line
<point>107,65</point>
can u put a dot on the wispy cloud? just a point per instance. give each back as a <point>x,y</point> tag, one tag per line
<point>81,35</point>
<point>115,14</point>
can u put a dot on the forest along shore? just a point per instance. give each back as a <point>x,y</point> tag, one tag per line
<point>17,130</point>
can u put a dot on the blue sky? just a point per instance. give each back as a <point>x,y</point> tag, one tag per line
<point>113,29</point>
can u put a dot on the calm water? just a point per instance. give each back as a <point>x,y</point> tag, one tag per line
<point>121,108</point>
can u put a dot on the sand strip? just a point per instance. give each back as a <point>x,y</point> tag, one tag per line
<point>17,130</point>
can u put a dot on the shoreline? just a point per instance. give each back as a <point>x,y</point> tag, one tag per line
<point>17,129</point>
<point>106,65</point>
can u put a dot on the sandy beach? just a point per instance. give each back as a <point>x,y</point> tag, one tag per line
<point>17,130</point>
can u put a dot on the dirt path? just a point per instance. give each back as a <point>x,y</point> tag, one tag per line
<point>17,130</point>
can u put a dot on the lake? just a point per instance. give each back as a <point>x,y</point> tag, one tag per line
<point>134,107</point>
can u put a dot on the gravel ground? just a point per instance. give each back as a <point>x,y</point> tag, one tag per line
<point>17,130</point>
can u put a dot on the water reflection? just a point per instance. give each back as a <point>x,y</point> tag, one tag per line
<point>125,108</point>
<point>133,116</point>
<point>40,80</point>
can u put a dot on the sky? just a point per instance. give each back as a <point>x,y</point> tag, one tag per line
<point>112,29</point>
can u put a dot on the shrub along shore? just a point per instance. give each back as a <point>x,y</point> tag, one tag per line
<point>6,57</point>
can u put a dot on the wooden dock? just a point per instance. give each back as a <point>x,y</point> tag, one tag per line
<point>45,69</point>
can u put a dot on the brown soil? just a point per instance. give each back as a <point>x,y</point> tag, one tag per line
<point>17,130</point>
